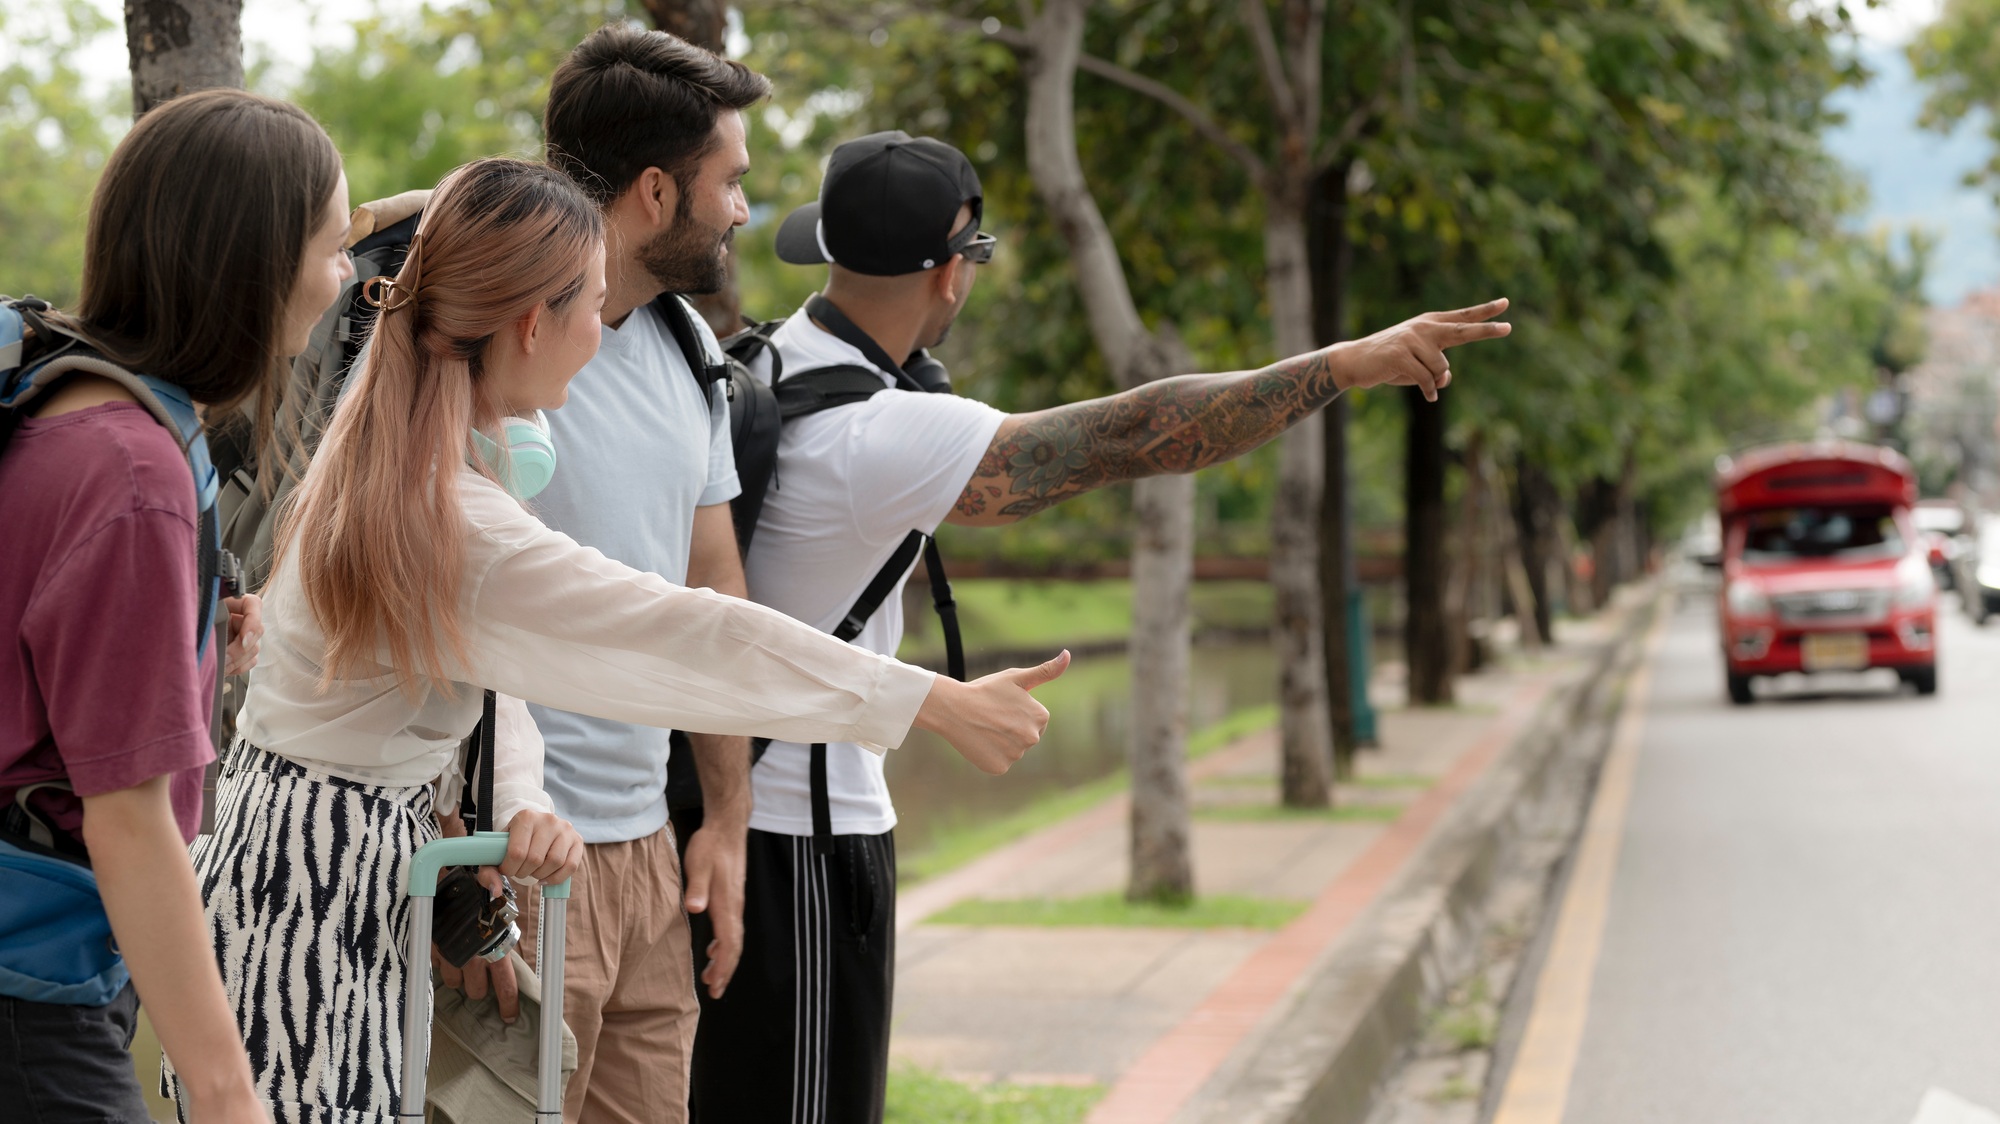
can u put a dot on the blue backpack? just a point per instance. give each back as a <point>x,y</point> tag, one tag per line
<point>56,944</point>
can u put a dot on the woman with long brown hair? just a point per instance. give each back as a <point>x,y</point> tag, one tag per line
<point>410,575</point>
<point>213,246</point>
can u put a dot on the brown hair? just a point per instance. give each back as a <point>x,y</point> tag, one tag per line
<point>197,235</point>
<point>376,523</point>
<point>627,99</point>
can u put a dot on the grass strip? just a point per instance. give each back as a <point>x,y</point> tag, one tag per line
<point>1274,813</point>
<point>953,847</point>
<point>1208,911</point>
<point>1386,782</point>
<point>1016,614</point>
<point>1392,780</point>
<point>1236,725</point>
<point>919,1096</point>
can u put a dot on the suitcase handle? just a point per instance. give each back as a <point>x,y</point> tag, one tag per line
<point>485,848</point>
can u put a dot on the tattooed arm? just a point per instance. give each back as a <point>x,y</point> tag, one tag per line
<point>1189,422</point>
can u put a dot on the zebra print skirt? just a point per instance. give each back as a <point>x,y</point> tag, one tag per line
<point>303,880</point>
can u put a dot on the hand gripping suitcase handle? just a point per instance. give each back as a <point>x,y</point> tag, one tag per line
<point>486,848</point>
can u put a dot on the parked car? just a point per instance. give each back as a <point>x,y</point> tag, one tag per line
<point>1977,570</point>
<point>1945,531</point>
<point>1823,567</point>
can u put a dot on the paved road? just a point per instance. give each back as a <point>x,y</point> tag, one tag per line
<point>1804,925</point>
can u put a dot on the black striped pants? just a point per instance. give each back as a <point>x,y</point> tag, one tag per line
<point>802,1034</point>
<point>304,881</point>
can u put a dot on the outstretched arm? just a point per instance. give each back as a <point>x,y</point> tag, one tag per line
<point>1189,422</point>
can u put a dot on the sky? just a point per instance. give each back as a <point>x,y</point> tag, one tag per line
<point>1913,176</point>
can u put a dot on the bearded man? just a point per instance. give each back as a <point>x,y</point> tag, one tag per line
<point>651,127</point>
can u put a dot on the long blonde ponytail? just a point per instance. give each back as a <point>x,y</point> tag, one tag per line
<point>375,527</point>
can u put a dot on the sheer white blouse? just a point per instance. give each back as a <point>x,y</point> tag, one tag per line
<point>557,623</point>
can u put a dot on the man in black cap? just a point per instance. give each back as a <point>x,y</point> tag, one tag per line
<point>803,1032</point>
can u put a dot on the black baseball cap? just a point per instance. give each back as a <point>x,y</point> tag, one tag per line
<point>886,207</point>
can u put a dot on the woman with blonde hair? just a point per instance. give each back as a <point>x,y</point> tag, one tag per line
<point>410,575</point>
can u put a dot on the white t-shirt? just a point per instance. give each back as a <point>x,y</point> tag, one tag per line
<point>638,449</point>
<point>852,482</point>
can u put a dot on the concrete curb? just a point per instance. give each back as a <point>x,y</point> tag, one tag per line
<point>1322,1055</point>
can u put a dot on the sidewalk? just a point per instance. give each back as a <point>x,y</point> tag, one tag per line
<point>1151,1013</point>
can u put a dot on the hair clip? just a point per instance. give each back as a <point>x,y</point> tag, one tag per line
<point>382,292</point>
<point>390,295</point>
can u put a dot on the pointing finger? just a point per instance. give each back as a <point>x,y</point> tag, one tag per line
<point>1451,334</point>
<point>1474,314</point>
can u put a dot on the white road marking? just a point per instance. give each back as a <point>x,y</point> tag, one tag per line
<point>1940,1107</point>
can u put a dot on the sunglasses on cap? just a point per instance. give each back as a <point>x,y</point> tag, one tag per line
<point>978,249</point>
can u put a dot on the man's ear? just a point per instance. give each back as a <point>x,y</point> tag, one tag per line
<point>658,195</point>
<point>946,278</point>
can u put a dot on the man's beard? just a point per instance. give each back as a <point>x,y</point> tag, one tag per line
<point>688,257</point>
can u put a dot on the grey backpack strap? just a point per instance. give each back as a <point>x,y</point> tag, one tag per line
<point>20,822</point>
<point>87,364</point>
<point>38,829</point>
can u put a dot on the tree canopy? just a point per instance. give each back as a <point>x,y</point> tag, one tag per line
<point>1646,181</point>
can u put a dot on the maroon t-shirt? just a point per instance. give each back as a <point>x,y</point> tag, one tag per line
<point>97,586</point>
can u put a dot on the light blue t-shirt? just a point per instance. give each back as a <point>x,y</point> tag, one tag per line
<point>637,450</point>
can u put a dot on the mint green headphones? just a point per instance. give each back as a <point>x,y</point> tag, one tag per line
<point>529,460</point>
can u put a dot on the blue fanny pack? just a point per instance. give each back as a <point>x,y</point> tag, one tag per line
<point>55,938</point>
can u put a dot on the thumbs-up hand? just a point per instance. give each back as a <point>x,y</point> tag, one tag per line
<point>993,720</point>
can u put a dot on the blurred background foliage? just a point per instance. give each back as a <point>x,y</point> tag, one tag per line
<point>1646,181</point>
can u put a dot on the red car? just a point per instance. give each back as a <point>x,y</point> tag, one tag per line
<point>1823,567</point>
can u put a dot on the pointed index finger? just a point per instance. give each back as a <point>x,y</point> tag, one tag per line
<point>1474,314</point>
<point>1452,335</point>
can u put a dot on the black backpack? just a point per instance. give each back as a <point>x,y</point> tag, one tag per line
<point>757,413</point>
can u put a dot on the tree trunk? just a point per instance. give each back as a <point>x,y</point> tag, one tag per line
<point>1163,551</point>
<point>1600,506</point>
<point>1162,570</point>
<point>1467,542</point>
<point>1535,536</point>
<point>1427,632</point>
<point>1612,545</point>
<point>177,46</point>
<point>1305,744</point>
<point>703,23</point>
<point>1332,262</point>
<point>1517,593</point>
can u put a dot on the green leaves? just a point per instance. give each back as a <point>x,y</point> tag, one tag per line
<point>1959,56</point>
<point>54,137</point>
<point>418,94</point>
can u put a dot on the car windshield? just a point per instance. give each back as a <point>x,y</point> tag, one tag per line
<point>1848,534</point>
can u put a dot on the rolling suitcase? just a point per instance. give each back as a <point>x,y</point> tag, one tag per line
<point>486,848</point>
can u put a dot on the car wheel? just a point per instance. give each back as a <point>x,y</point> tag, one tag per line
<point>1924,679</point>
<point>1739,690</point>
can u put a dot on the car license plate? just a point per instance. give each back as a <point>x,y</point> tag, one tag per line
<point>1835,651</point>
